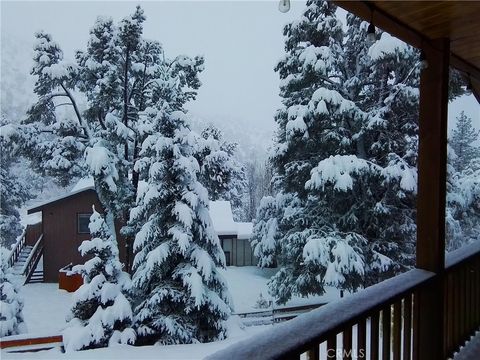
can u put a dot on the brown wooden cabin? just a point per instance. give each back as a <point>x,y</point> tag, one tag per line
<point>65,225</point>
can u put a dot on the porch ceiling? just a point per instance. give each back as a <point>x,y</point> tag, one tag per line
<point>418,21</point>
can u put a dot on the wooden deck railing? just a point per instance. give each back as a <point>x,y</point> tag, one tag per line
<point>33,259</point>
<point>378,322</point>
<point>17,249</point>
<point>461,297</point>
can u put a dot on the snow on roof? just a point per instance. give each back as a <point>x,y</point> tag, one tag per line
<point>220,211</point>
<point>223,223</point>
<point>245,230</point>
<point>83,184</point>
<point>222,218</point>
<point>39,207</point>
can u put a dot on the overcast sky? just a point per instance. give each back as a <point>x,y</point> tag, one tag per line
<point>241,42</point>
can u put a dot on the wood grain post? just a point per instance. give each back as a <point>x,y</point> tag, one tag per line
<point>432,177</point>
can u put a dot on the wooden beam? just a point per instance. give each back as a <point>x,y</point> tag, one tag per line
<point>431,199</point>
<point>387,22</point>
<point>432,158</point>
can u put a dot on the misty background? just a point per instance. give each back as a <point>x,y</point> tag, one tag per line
<point>240,40</point>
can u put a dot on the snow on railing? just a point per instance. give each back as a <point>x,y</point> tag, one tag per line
<point>304,333</point>
<point>379,321</point>
<point>460,255</point>
<point>17,248</point>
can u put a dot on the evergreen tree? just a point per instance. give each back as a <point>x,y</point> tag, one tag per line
<point>463,141</point>
<point>221,174</point>
<point>463,203</point>
<point>13,193</point>
<point>11,317</point>
<point>101,315</point>
<point>120,75</point>
<point>345,156</point>
<point>181,296</point>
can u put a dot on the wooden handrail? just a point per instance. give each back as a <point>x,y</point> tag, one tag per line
<point>386,311</point>
<point>17,249</point>
<point>292,338</point>
<point>462,254</point>
<point>33,259</point>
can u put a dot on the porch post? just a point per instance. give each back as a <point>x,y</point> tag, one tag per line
<point>432,169</point>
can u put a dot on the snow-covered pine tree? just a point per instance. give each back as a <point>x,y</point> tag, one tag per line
<point>11,317</point>
<point>463,141</point>
<point>103,96</point>
<point>180,295</point>
<point>265,232</point>
<point>13,193</point>
<point>100,315</point>
<point>220,172</point>
<point>345,155</point>
<point>463,185</point>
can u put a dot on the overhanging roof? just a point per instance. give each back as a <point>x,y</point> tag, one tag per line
<point>416,22</point>
<point>66,196</point>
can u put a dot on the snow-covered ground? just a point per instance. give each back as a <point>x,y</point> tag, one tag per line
<point>46,307</point>
<point>246,283</point>
<point>187,352</point>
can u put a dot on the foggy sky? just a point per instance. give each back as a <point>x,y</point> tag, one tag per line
<point>241,41</point>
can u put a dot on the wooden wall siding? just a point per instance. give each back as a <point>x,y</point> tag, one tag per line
<point>32,233</point>
<point>61,239</point>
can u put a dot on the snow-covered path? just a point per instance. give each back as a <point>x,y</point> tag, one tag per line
<point>45,307</point>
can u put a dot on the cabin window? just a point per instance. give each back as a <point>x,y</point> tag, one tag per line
<point>82,223</point>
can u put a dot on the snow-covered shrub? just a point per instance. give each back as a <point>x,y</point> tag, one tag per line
<point>11,317</point>
<point>101,315</point>
<point>262,303</point>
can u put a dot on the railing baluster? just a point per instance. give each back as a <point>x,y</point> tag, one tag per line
<point>386,318</point>
<point>468,311</point>
<point>362,339</point>
<point>407,327</point>
<point>456,310</point>
<point>477,291</point>
<point>449,313</point>
<point>374,335</point>
<point>347,343</point>
<point>332,347</point>
<point>314,353</point>
<point>462,304</point>
<point>397,330</point>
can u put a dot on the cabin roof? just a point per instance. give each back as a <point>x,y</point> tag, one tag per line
<point>64,197</point>
<point>220,211</point>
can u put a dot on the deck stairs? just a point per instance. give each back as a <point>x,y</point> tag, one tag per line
<point>27,262</point>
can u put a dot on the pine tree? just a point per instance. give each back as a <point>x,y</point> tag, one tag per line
<point>120,74</point>
<point>13,193</point>
<point>11,317</point>
<point>463,141</point>
<point>221,174</point>
<point>101,315</point>
<point>345,156</point>
<point>180,295</point>
<point>463,202</point>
